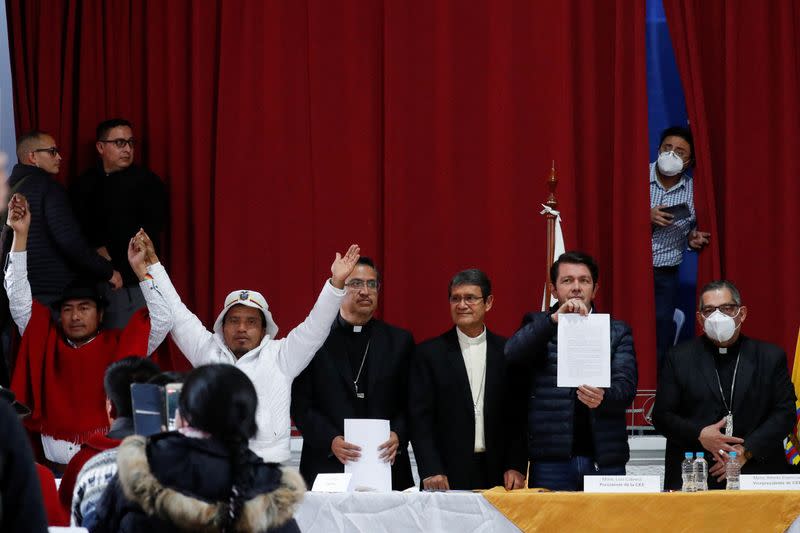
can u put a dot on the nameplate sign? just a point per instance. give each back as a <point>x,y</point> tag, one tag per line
<point>769,482</point>
<point>622,483</point>
<point>333,483</point>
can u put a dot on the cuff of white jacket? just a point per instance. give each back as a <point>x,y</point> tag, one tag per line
<point>156,270</point>
<point>150,282</point>
<point>336,291</point>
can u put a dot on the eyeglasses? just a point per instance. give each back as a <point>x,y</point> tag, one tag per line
<point>469,299</point>
<point>53,151</point>
<point>120,143</point>
<point>680,152</point>
<point>358,284</point>
<point>725,309</point>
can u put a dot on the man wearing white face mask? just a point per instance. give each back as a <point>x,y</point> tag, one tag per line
<point>724,392</point>
<point>673,221</point>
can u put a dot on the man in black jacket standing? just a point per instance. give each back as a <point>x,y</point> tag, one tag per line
<point>360,372</point>
<point>113,200</point>
<point>467,424</point>
<point>724,392</point>
<point>573,432</point>
<point>57,251</point>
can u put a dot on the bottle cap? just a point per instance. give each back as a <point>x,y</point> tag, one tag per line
<point>688,455</point>
<point>732,454</point>
<point>700,455</point>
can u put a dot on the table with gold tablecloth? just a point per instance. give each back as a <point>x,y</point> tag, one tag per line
<point>707,511</point>
<point>499,511</point>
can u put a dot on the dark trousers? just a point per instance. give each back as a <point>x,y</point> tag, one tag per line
<point>478,478</point>
<point>667,284</point>
<point>568,474</point>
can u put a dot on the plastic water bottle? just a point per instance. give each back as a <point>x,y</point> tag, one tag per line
<point>687,470</point>
<point>700,472</point>
<point>732,471</point>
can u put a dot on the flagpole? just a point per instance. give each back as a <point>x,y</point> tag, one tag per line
<point>552,182</point>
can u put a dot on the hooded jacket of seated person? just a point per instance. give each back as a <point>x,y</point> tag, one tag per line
<point>202,477</point>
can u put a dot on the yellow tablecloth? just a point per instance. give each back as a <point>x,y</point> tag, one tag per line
<point>717,511</point>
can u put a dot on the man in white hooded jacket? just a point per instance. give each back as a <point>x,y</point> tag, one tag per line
<point>244,335</point>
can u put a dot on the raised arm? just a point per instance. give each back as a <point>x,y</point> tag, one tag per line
<point>20,300</point>
<point>160,312</point>
<point>300,345</point>
<point>190,335</point>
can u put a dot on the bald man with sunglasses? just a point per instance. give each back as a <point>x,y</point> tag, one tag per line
<point>57,250</point>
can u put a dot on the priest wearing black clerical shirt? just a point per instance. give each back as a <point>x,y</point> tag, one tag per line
<point>360,372</point>
<point>724,392</point>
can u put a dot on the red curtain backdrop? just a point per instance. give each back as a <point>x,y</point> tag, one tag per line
<point>422,130</point>
<point>740,69</point>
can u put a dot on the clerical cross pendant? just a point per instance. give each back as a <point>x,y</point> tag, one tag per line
<point>477,411</point>
<point>729,425</point>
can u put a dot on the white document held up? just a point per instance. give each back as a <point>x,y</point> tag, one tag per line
<point>584,350</point>
<point>370,472</point>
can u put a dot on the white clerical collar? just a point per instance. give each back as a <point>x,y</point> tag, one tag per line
<point>466,339</point>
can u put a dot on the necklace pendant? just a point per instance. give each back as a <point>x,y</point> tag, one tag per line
<point>729,425</point>
<point>359,395</point>
<point>477,411</point>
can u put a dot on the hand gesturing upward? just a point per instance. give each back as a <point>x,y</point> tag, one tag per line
<point>343,265</point>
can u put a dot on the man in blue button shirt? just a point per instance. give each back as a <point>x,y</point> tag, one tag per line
<point>673,223</point>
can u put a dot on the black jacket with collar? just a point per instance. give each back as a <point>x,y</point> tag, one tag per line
<point>688,399</point>
<point>442,412</point>
<point>57,251</point>
<point>112,207</point>
<point>171,482</point>
<point>534,349</point>
<point>323,396</point>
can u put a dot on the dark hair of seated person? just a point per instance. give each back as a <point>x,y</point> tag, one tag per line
<point>118,379</point>
<point>221,400</point>
<point>164,378</point>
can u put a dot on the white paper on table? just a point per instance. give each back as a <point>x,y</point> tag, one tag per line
<point>333,483</point>
<point>370,472</point>
<point>584,350</point>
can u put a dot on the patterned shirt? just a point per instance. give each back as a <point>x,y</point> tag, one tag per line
<point>670,242</point>
<point>92,481</point>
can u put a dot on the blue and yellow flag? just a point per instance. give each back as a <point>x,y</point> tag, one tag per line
<point>791,444</point>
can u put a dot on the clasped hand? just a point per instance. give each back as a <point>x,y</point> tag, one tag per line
<point>715,441</point>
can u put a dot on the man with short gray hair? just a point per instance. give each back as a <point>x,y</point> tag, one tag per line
<point>467,430</point>
<point>724,392</point>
